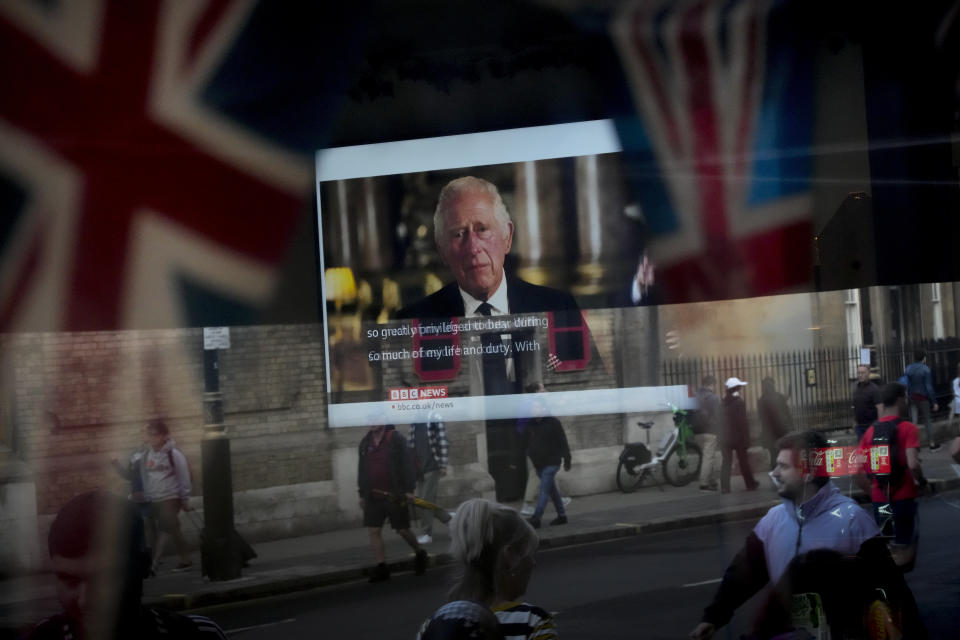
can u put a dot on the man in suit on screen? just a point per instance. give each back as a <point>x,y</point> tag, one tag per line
<point>474,233</point>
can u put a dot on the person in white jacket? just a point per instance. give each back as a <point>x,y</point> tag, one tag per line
<point>166,484</point>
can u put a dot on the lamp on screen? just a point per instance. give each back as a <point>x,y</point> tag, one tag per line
<point>341,290</point>
<point>341,286</point>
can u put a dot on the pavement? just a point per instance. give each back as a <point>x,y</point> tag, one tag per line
<point>336,557</point>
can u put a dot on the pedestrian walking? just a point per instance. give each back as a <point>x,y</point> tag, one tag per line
<point>386,479</point>
<point>493,548</point>
<point>532,487</point>
<point>775,418</point>
<point>894,493</point>
<point>787,549</point>
<point>429,443</point>
<point>705,423</point>
<point>921,395</point>
<point>166,486</point>
<point>866,401</point>
<point>735,436</point>
<point>546,445</point>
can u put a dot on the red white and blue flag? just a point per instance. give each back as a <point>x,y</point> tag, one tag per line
<point>125,191</point>
<point>719,157</point>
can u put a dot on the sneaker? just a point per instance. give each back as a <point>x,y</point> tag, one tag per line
<point>534,522</point>
<point>183,566</point>
<point>424,539</point>
<point>527,509</point>
<point>934,447</point>
<point>420,562</point>
<point>380,573</point>
<point>558,520</point>
<point>566,500</point>
<point>707,488</point>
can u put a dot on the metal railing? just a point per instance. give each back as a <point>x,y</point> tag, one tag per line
<point>817,382</point>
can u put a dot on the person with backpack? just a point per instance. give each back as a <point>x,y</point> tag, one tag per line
<point>166,486</point>
<point>894,480</point>
<point>429,446</point>
<point>386,479</point>
<point>920,388</point>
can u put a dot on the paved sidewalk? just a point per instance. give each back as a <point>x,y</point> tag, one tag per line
<point>307,562</point>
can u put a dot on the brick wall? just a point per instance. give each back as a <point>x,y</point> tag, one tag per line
<point>77,400</point>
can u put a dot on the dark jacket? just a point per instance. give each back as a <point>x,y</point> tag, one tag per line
<point>736,428</point>
<point>403,477</point>
<point>707,415</point>
<point>774,413</point>
<point>546,443</point>
<point>522,297</point>
<point>866,397</point>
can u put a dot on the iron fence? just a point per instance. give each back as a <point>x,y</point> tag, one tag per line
<point>817,382</point>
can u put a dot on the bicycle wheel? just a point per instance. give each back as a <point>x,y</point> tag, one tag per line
<point>679,471</point>
<point>629,478</point>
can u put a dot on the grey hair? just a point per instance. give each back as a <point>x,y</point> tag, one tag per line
<point>460,186</point>
<point>479,532</point>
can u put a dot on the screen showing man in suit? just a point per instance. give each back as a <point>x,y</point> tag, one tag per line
<point>458,271</point>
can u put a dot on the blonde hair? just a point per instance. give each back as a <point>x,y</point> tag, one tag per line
<point>479,533</point>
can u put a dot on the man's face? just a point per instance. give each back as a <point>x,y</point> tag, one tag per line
<point>155,439</point>
<point>788,474</point>
<point>473,244</point>
<point>89,589</point>
<point>863,374</point>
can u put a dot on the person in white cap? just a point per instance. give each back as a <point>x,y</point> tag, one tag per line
<point>735,436</point>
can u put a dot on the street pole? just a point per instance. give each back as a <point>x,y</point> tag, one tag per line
<point>220,550</point>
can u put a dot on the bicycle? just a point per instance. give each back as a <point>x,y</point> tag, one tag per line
<point>678,456</point>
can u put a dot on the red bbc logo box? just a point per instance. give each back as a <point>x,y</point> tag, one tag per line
<point>418,393</point>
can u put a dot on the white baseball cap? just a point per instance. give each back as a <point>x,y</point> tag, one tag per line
<point>735,382</point>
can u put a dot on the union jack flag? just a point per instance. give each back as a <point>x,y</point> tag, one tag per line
<point>720,154</point>
<point>125,189</point>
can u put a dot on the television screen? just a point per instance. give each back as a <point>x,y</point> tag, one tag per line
<point>461,273</point>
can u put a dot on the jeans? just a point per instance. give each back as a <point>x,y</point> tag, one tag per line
<point>922,407</point>
<point>548,491</point>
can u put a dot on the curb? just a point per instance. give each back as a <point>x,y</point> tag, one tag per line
<point>283,586</point>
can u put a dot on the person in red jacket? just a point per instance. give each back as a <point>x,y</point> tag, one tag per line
<point>385,479</point>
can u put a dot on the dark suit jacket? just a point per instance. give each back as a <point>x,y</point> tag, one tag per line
<point>522,297</point>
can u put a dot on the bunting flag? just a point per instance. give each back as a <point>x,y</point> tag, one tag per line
<point>131,199</point>
<point>719,155</point>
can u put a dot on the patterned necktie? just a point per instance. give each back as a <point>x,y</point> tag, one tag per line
<point>495,381</point>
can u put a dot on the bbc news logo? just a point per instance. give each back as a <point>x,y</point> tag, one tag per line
<point>418,393</point>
